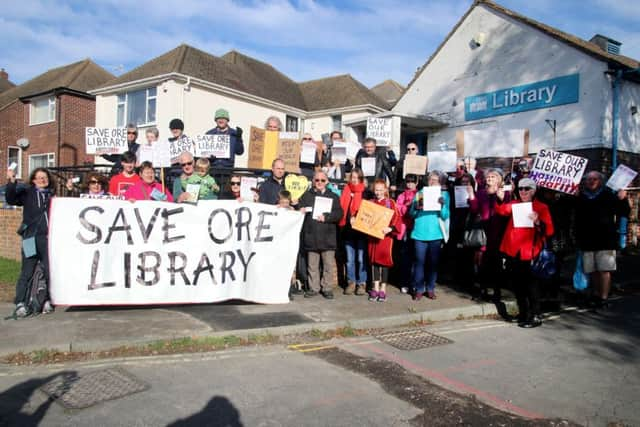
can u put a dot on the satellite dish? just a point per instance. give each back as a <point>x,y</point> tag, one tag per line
<point>22,142</point>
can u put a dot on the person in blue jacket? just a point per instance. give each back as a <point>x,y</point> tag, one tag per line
<point>429,233</point>
<point>235,135</point>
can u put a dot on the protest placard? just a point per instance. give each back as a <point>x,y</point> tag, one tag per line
<point>179,146</point>
<point>289,151</point>
<point>162,253</point>
<point>442,161</point>
<point>263,148</point>
<point>352,149</point>
<point>461,195</point>
<point>621,178</point>
<point>193,191</point>
<point>248,187</point>
<point>414,164</point>
<point>521,215</point>
<point>218,146</point>
<point>145,153</point>
<point>368,166</point>
<point>308,152</point>
<point>372,219</point>
<point>380,130</point>
<point>558,171</point>
<point>296,185</point>
<point>321,206</point>
<point>339,152</point>
<point>430,198</point>
<point>161,154</point>
<point>105,140</point>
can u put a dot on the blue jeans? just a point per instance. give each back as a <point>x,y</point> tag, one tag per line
<point>427,256</point>
<point>356,249</point>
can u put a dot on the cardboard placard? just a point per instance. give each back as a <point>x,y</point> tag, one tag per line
<point>265,146</point>
<point>289,151</point>
<point>257,139</point>
<point>372,219</point>
<point>414,164</point>
<point>105,140</point>
<point>558,171</point>
<point>380,130</point>
<point>296,185</point>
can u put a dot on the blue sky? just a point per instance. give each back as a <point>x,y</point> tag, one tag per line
<point>373,40</point>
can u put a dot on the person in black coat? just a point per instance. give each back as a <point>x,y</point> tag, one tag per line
<point>273,185</point>
<point>385,160</point>
<point>319,237</point>
<point>34,229</point>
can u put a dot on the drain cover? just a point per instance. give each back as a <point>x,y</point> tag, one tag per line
<point>412,339</point>
<point>81,391</point>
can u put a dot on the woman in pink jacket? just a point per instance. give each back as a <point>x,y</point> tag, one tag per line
<point>405,250</point>
<point>148,188</point>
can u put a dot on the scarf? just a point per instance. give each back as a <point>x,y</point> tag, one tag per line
<point>350,200</point>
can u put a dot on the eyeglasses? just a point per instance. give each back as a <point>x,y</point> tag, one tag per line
<point>186,164</point>
<point>412,149</point>
<point>307,139</point>
<point>94,181</point>
<point>319,180</point>
<point>525,188</point>
<point>234,183</point>
<point>410,182</point>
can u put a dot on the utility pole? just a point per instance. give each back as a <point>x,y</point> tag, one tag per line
<point>552,125</point>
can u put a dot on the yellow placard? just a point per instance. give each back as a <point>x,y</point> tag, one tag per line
<point>296,185</point>
<point>372,219</point>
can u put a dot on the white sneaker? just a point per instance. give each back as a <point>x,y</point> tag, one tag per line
<point>21,310</point>
<point>48,308</point>
<point>404,290</point>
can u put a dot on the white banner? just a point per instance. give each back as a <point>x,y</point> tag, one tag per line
<point>558,171</point>
<point>212,145</point>
<point>105,140</point>
<point>110,252</point>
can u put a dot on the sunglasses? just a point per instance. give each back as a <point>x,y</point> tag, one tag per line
<point>235,182</point>
<point>319,180</point>
<point>132,133</point>
<point>410,182</point>
<point>525,188</point>
<point>186,164</point>
<point>307,139</point>
<point>412,149</point>
<point>93,181</point>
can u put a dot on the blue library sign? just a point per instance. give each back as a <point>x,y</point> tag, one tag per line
<point>532,96</point>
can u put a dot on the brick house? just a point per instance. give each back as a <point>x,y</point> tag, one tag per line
<point>42,121</point>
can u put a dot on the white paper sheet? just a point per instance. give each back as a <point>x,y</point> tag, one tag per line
<point>430,198</point>
<point>308,152</point>
<point>247,184</point>
<point>521,212</point>
<point>462,196</point>
<point>621,178</point>
<point>352,149</point>
<point>339,152</point>
<point>321,206</point>
<point>145,153</point>
<point>161,154</point>
<point>368,166</point>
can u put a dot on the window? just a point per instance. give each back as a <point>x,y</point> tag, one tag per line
<point>43,110</point>
<point>292,124</point>
<point>15,156</point>
<point>138,107</point>
<point>337,122</point>
<point>46,160</point>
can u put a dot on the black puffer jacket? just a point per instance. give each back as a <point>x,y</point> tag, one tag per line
<point>320,236</point>
<point>384,163</point>
<point>35,205</point>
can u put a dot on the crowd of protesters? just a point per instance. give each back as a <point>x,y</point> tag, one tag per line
<point>477,238</point>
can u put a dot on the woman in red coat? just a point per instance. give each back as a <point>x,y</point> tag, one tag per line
<point>521,245</point>
<point>380,250</point>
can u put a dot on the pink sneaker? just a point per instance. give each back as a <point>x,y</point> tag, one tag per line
<point>373,295</point>
<point>382,297</point>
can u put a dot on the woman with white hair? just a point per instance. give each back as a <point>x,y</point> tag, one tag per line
<point>521,245</point>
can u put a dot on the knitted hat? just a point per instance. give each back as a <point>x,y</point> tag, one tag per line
<point>221,113</point>
<point>176,124</point>
<point>527,182</point>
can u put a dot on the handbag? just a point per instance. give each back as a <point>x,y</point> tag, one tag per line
<point>544,265</point>
<point>580,279</point>
<point>474,234</point>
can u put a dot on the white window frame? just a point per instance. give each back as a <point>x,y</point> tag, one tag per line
<point>125,102</point>
<point>19,162</point>
<point>51,117</point>
<point>51,160</point>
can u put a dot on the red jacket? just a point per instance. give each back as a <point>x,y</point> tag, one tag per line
<point>525,243</point>
<point>380,250</point>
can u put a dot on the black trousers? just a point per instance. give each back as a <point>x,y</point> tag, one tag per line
<point>29,266</point>
<point>525,286</point>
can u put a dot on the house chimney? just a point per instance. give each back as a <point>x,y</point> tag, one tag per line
<point>605,43</point>
<point>3,75</point>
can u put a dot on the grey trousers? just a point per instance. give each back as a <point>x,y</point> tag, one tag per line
<point>320,276</point>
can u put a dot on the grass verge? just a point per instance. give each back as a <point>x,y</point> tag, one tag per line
<point>9,272</point>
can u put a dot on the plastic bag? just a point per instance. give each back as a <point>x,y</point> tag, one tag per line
<point>580,279</point>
